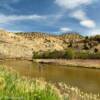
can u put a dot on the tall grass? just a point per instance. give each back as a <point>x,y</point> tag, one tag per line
<point>13,87</point>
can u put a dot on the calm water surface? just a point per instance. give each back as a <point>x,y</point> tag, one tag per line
<point>88,80</point>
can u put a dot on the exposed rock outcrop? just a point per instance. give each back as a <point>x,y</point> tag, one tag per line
<point>23,45</point>
<point>17,46</point>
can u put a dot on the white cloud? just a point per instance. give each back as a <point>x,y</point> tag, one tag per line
<point>9,18</point>
<point>65,29</point>
<point>79,15</point>
<point>83,19</point>
<point>71,4</point>
<point>76,10</point>
<point>88,23</point>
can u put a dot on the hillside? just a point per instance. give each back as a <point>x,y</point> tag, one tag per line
<point>18,46</point>
<point>22,45</point>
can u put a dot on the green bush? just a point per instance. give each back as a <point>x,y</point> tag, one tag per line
<point>48,54</point>
<point>87,55</point>
<point>57,54</point>
<point>94,55</point>
<point>70,54</point>
<point>82,55</point>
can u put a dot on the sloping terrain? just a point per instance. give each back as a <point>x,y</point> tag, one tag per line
<point>12,46</point>
<point>17,46</point>
<point>23,45</point>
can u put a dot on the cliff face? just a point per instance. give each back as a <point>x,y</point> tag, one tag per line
<point>17,46</point>
<point>13,46</point>
<point>23,45</point>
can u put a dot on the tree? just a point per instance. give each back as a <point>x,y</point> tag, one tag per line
<point>95,50</point>
<point>70,54</point>
<point>70,44</point>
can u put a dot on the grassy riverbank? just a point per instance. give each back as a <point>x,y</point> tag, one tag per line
<point>75,63</point>
<point>13,86</point>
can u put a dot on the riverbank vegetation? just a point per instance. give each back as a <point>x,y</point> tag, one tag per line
<point>13,86</point>
<point>68,54</point>
<point>88,48</point>
<point>44,45</point>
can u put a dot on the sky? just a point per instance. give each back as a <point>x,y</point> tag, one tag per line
<point>52,16</point>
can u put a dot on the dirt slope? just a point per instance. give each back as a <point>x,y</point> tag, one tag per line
<point>16,46</point>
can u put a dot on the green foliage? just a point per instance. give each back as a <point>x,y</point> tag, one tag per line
<point>86,46</point>
<point>48,54</point>
<point>94,55</point>
<point>87,55</point>
<point>56,54</point>
<point>96,50</point>
<point>82,55</point>
<point>96,38</point>
<point>70,44</point>
<point>70,53</point>
<point>13,87</point>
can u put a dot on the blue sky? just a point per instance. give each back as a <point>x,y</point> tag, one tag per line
<point>52,16</point>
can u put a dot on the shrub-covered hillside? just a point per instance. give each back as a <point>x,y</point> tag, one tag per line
<point>24,45</point>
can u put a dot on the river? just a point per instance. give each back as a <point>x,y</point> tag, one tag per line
<point>87,80</point>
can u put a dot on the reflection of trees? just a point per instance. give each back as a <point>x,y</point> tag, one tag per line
<point>40,68</point>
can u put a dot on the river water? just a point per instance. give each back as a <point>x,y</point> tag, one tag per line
<point>87,80</point>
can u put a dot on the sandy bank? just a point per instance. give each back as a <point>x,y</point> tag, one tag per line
<point>75,63</point>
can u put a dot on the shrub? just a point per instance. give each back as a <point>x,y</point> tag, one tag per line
<point>57,54</point>
<point>94,55</point>
<point>87,55</point>
<point>70,53</point>
<point>48,54</point>
<point>86,46</point>
<point>97,38</point>
<point>96,50</point>
<point>70,44</point>
<point>82,55</point>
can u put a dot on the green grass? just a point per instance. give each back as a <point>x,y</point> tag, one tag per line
<point>13,87</point>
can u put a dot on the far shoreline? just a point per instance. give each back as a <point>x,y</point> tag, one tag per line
<point>87,63</point>
<point>79,63</point>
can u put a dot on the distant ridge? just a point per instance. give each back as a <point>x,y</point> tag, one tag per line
<point>33,35</point>
<point>23,44</point>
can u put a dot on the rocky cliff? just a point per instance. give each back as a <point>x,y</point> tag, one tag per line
<point>22,46</point>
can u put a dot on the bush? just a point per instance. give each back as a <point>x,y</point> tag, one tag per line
<point>86,46</point>
<point>48,54</point>
<point>97,38</point>
<point>57,54</point>
<point>94,55</point>
<point>70,54</point>
<point>82,55</point>
<point>87,55</point>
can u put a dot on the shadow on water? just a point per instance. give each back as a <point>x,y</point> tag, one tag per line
<point>88,80</point>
